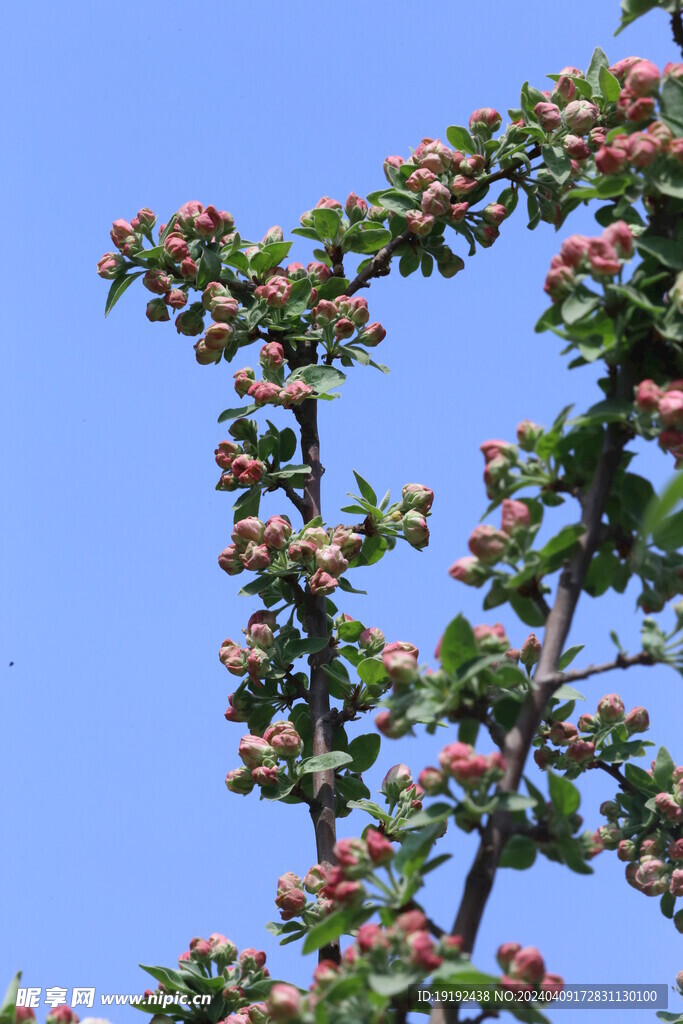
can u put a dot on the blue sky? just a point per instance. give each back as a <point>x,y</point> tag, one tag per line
<point>119,839</point>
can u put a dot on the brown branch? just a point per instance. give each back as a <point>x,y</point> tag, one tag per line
<point>621,661</point>
<point>315,624</point>
<point>612,770</point>
<point>380,264</point>
<point>518,742</point>
<point>677,29</point>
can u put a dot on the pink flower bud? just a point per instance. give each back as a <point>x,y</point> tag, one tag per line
<point>419,223</point>
<point>276,292</point>
<point>487,544</point>
<point>315,879</point>
<point>494,213</point>
<point>436,200</point>
<point>468,570</point>
<point>233,657</point>
<point>190,324</point>
<point>643,149</point>
<point>122,234</point>
<point>420,180</point>
<point>256,557</point>
<point>225,454</point>
<point>417,497</point>
<point>254,750</point>
<point>515,515</point>
<point>355,207</point>
<point>266,776</point>
<point>576,147</point>
<point>415,529</point>
<point>619,236</point>
<point>581,751</point>
<point>527,965</point>
<point>23,1013</point>
<point>422,951</point>
<point>642,79</point>
<point>668,808</point>
<point>247,471</point>
<point>246,530</point>
<point>637,720</point>
<point>108,266</point>
<point>229,561</point>
<point>548,115</point>
<point>379,847</point>
<point>218,336</point>
<point>224,308</point>
<point>581,115</point>
<point>260,635</point>
<point>322,583</point>
<point>372,641</point>
<point>331,560</point>
<point>389,726</point>
<point>491,639</point>
<point>552,984</point>
<point>506,954</point>
<point>431,780</point>
<point>156,311</point>
<point>531,651</point>
<point>485,121</point>
<point>176,246</point>
<point>284,739</point>
<point>272,356</point>
<point>559,282</point>
<point>562,733</point>
<point>671,409</point>
<point>432,154</point>
<point>411,921</point>
<point>648,396</point>
<point>265,393</point>
<point>676,889</point>
<point>652,877</point>
<point>611,159</point>
<point>610,708</point>
<point>295,393</point>
<point>370,937</point>
<point>396,780</point>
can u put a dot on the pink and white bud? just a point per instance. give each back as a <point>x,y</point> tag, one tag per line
<point>642,79</point>
<point>581,115</point>
<point>396,780</point>
<point>322,583</point>
<point>514,515</point>
<point>549,116</point>
<point>417,497</point>
<point>487,544</point>
<point>531,651</point>
<point>272,356</point>
<point>610,708</point>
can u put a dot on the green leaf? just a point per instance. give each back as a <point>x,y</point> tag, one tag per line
<point>610,410</point>
<point>665,250</point>
<point>431,815</point>
<point>233,414</point>
<point>568,657</point>
<point>350,631</point>
<point>326,223</point>
<point>390,985</point>
<point>641,779</point>
<point>557,162</point>
<point>256,586</point>
<point>519,853</point>
<point>364,750</point>
<point>668,534</point>
<point>581,303</point>
<point>288,444</point>
<point>562,542</point>
<point>365,238</point>
<point>118,287</point>
<point>150,254</point>
<point>672,103</point>
<point>598,60</point>
<point>565,692</point>
<point>247,504</point>
<point>208,268</point>
<point>609,85</point>
<point>365,489</point>
<point>458,645</point>
<point>371,671</point>
<point>329,929</point>
<point>323,762</point>
<point>415,850</point>
<point>299,299</point>
<point>460,138</point>
<point>636,298</point>
<point>8,1005</point>
<point>564,795</point>
<point>660,506</point>
<point>667,905</point>
<point>322,378</point>
<point>308,645</point>
<point>664,769</point>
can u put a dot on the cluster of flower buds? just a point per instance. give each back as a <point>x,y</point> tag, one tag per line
<point>664,405</point>
<point>601,258</point>
<point>337,320</point>
<point>579,742</point>
<point>402,794</point>
<point>525,971</point>
<point>255,544</point>
<point>253,660</point>
<point>459,761</point>
<point>261,756</point>
<point>489,544</point>
<point>272,389</point>
<point>639,80</point>
<point>217,949</point>
<point>336,886</point>
<point>57,1015</point>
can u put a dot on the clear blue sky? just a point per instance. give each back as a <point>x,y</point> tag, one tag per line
<point>119,839</point>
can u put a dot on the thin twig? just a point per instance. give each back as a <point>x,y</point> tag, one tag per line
<point>621,661</point>
<point>612,770</point>
<point>296,499</point>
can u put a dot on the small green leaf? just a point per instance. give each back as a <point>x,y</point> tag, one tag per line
<point>562,542</point>
<point>664,769</point>
<point>326,223</point>
<point>323,762</point>
<point>564,795</point>
<point>668,534</point>
<point>609,85</point>
<point>519,853</point>
<point>350,631</point>
<point>118,287</point>
<point>565,692</point>
<point>329,929</point>
<point>665,250</point>
<point>208,268</point>
<point>460,138</point>
<point>307,645</point>
<point>598,60</point>
<point>390,985</point>
<point>458,645</point>
<point>233,414</point>
<point>364,751</point>
<point>365,489</point>
<point>321,378</point>
<point>557,162</point>
<point>371,671</point>
<point>568,657</point>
